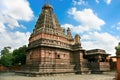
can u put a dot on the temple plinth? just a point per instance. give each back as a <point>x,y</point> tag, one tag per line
<point>118,61</point>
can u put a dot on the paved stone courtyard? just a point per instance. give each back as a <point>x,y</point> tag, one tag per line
<point>12,76</point>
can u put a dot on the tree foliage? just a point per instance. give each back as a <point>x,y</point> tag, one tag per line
<point>6,60</point>
<point>118,47</point>
<point>6,57</point>
<point>17,57</point>
<point>5,51</point>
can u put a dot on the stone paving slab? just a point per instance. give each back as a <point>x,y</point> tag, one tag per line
<point>12,76</point>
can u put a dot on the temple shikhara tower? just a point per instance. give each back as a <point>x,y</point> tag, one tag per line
<point>50,49</point>
<point>53,50</point>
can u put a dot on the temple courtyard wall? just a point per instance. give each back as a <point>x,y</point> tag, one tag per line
<point>105,76</point>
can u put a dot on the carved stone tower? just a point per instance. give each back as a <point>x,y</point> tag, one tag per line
<point>50,49</point>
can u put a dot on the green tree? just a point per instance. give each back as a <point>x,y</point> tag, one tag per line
<point>5,50</point>
<point>118,47</point>
<point>6,57</point>
<point>6,60</point>
<point>20,55</point>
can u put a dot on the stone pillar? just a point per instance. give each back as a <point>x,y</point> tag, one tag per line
<point>118,61</point>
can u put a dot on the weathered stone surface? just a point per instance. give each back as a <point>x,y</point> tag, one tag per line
<point>52,51</point>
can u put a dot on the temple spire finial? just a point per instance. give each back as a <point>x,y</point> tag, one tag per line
<point>47,1</point>
<point>47,4</point>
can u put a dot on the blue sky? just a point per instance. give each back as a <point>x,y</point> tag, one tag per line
<point>96,21</point>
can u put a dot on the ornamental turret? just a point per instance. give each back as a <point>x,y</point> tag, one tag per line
<point>77,39</point>
<point>69,33</point>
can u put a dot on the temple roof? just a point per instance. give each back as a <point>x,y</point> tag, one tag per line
<point>96,51</point>
<point>47,21</point>
<point>47,5</point>
<point>77,35</point>
<point>48,32</point>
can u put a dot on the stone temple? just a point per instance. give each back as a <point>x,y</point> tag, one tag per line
<point>53,50</point>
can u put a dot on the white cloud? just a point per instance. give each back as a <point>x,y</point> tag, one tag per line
<point>97,1</point>
<point>11,12</point>
<point>2,27</point>
<point>87,18</point>
<point>79,2</point>
<point>89,25</point>
<point>98,40</point>
<point>11,22</point>
<point>76,29</point>
<point>94,39</point>
<point>13,39</point>
<point>18,9</point>
<point>108,1</point>
<point>116,26</point>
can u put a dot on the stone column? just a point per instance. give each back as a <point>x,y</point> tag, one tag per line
<point>118,61</point>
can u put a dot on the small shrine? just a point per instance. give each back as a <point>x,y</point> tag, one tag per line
<point>98,60</point>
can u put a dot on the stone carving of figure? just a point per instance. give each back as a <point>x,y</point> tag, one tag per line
<point>69,32</point>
